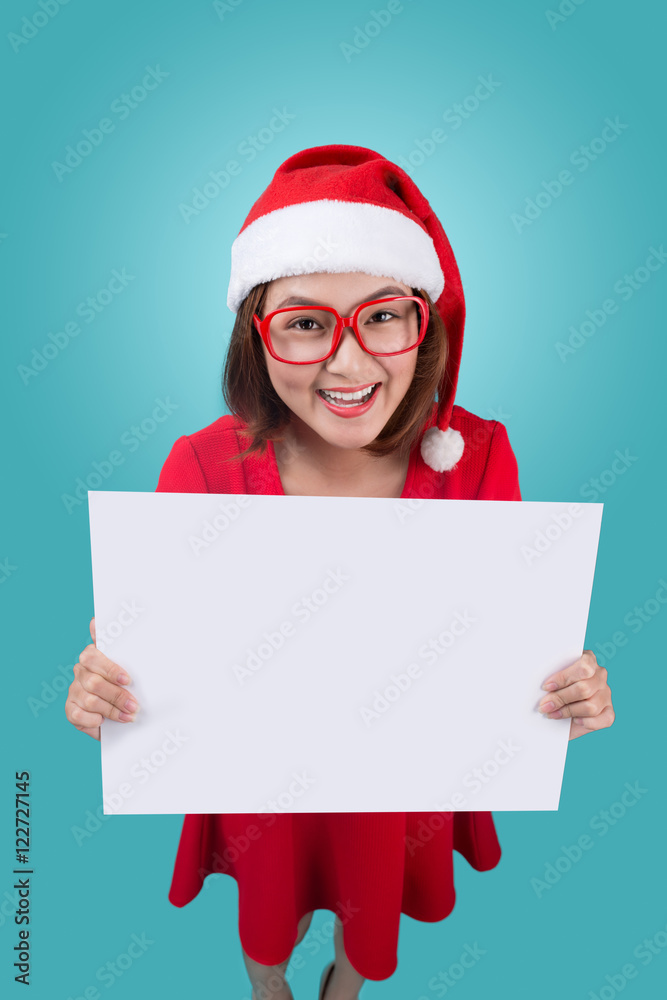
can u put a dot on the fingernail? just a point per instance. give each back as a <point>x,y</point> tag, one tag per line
<point>549,686</point>
<point>123,679</point>
<point>548,706</point>
<point>131,705</point>
<point>124,717</point>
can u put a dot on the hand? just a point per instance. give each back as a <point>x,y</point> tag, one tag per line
<point>582,693</point>
<point>98,692</point>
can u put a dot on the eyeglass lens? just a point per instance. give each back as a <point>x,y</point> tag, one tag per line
<point>306,334</point>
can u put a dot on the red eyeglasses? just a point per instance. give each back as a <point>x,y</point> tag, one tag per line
<point>301,335</point>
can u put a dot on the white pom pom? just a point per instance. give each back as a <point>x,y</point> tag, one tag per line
<point>441,450</point>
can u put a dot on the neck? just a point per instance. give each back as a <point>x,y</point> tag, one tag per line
<point>331,462</point>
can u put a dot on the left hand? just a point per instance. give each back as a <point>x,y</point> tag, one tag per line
<point>581,692</point>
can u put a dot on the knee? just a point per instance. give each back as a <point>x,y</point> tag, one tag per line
<point>304,924</point>
<point>265,978</point>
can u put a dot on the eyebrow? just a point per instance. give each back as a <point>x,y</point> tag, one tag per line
<point>300,300</point>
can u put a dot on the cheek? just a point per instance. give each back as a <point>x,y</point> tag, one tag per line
<point>287,379</point>
<point>402,371</point>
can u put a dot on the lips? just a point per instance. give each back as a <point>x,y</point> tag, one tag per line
<point>347,388</point>
<point>351,408</point>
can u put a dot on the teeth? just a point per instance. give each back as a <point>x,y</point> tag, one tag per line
<point>346,397</point>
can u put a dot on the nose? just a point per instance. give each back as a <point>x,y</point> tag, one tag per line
<point>348,347</point>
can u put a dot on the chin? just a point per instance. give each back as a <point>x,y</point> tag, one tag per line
<point>352,439</point>
<point>350,434</point>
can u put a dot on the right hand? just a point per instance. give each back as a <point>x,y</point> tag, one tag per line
<point>98,691</point>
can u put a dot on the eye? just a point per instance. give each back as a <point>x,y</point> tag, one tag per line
<point>295,324</point>
<point>382,312</point>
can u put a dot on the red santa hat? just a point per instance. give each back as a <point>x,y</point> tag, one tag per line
<point>346,208</point>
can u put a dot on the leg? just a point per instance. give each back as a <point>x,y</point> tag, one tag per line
<point>345,982</point>
<point>268,981</point>
<point>303,926</point>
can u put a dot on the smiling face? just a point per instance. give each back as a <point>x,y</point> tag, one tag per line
<point>349,369</point>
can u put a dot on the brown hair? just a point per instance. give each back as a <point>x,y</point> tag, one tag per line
<point>249,393</point>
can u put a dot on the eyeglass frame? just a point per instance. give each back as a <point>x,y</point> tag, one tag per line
<point>342,323</point>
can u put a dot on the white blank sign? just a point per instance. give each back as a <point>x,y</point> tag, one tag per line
<point>337,654</point>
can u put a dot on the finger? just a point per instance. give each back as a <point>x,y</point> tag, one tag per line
<point>92,629</point>
<point>95,733</point>
<point>114,707</point>
<point>96,685</point>
<point>582,668</point>
<point>590,707</point>
<point>92,704</point>
<point>94,659</point>
<point>592,723</point>
<point>80,718</point>
<point>577,691</point>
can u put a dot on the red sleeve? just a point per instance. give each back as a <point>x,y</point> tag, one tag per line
<point>182,473</point>
<point>500,479</point>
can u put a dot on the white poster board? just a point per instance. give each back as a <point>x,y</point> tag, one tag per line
<point>337,654</point>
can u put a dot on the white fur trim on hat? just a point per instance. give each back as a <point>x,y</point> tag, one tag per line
<point>333,236</point>
<point>441,450</point>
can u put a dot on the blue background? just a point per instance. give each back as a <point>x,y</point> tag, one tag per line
<point>164,337</point>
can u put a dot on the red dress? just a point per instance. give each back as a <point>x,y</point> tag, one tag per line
<point>368,868</point>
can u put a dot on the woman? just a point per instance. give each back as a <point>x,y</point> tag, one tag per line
<point>349,319</point>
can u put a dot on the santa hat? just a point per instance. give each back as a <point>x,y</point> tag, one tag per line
<point>346,208</point>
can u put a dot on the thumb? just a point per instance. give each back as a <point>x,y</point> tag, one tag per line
<point>92,629</point>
